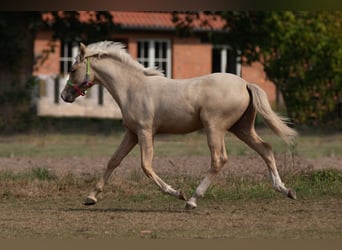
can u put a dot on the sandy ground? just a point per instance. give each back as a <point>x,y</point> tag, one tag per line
<point>192,165</point>
<point>61,215</point>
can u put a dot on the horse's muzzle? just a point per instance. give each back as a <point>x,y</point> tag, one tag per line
<point>67,97</point>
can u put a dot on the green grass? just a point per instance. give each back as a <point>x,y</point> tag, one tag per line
<point>52,145</point>
<point>58,145</point>
<point>318,183</point>
<point>308,184</point>
<point>39,173</point>
<point>139,189</point>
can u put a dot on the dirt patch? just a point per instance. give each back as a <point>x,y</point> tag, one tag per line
<point>185,165</point>
<point>118,216</point>
<point>271,219</point>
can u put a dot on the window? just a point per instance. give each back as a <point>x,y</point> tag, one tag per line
<point>224,59</point>
<point>69,51</point>
<point>155,53</point>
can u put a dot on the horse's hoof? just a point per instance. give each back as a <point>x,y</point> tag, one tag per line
<point>181,195</point>
<point>89,201</point>
<point>190,205</point>
<point>292,194</point>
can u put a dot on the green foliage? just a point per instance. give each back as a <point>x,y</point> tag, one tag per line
<point>11,37</point>
<point>17,109</point>
<point>17,31</point>
<point>304,59</point>
<point>301,53</point>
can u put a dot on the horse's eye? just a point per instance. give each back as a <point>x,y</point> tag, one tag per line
<point>72,70</point>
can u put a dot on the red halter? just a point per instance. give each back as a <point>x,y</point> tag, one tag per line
<point>84,85</point>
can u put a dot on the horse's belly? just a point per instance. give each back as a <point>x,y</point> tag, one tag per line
<point>179,125</point>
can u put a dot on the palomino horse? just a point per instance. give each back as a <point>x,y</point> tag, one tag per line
<point>151,103</point>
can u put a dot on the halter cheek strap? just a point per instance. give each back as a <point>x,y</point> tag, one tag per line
<point>77,88</point>
<point>88,70</point>
<point>87,84</point>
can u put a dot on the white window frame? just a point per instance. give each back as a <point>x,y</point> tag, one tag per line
<point>65,58</point>
<point>224,51</point>
<point>150,57</point>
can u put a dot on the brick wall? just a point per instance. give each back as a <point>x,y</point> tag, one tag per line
<point>50,66</point>
<point>190,58</point>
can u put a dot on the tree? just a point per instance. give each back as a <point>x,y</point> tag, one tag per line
<point>17,32</point>
<point>16,61</point>
<point>301,53</point>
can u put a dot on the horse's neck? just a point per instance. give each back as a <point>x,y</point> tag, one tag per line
<point>120,80</point>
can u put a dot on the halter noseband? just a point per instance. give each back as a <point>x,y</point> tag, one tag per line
<point>87,84</point>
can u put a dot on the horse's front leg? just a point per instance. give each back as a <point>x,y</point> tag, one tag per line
<point>128,142</point>
<point>146,149</point>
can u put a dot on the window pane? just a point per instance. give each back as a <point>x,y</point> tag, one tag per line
<point>164,48</point>
<point>231,59</point>
<point>67,56</point>
<point>158,65</point>
<point>143,47</point>
<point>146,49</point>
<point>69,66</point>
<point>157,50</point>
<point>69,50</point>
<point>216,60</point>
<point>140,50</point>
<point>163,67</point>
<point>61,66</point>
<point>159,57</point>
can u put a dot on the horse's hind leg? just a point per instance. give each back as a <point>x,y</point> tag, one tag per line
<point>218,159</point>
<point>251,138</point>
<point>128,142</point>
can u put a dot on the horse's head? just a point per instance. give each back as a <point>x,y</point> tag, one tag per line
<point>80,78</point>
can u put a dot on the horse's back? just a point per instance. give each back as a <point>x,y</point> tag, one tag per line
<point>190,103</point>
<point>221,89</point>
<point>222,82</point>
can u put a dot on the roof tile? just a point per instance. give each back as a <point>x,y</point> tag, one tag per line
<point>160,20</point>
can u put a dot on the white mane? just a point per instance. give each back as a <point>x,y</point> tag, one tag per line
<point>117,50</point>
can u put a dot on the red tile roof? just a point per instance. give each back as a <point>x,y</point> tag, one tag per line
<point>162,20</point>
<point>143,19</point>
<point>154,20</point>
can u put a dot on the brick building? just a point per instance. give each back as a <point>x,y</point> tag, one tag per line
<point>150,38</point>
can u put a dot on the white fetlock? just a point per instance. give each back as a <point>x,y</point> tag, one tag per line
<point>191,204</point>
<point>90,201</point>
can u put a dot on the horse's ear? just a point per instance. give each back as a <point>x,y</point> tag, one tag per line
<point>82,50</point>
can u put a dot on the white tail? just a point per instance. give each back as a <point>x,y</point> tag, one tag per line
<point>275,122</point>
